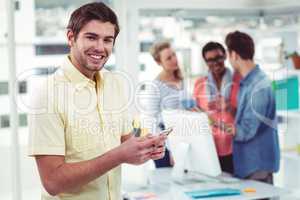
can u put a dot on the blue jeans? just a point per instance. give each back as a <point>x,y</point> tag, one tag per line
<point>163,162</point>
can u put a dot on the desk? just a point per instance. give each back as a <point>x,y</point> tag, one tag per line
<point>161,183</point>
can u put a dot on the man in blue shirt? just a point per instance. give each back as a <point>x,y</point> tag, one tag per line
<point>255,145</point>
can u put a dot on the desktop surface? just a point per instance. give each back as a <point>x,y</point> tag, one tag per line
<point>161,186</point>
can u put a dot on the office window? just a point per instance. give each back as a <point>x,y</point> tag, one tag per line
<point>142,67</point>
<point>23,120</point>
<point>142,87</point>
<point>110,67</point>
<point>43,70</point>
<point>17,5</point>
<point>3,88</point>
<point>51,49</point>
<point>145,46</point>
<point>4,121</point>
<point>22,87</point>
<point>42,4</point>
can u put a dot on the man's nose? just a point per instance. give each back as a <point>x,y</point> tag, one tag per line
<point>100,45</point>
<point>215,63</point>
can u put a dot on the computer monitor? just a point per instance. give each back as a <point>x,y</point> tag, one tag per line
<point>191,143</point>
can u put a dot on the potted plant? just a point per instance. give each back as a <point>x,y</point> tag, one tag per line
<point>295,58</point>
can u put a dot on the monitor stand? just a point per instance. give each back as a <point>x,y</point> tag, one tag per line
<point>186,176</point>
<point>180,173</point>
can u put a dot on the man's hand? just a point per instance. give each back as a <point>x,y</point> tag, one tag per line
<point>159,150</point>
<point>137,150</point>
<point>219,104</point>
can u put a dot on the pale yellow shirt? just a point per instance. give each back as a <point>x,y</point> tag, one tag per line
<point>74,116</point>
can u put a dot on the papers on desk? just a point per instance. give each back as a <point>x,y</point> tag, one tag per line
<point>140,196</point>
<point>198,194</point>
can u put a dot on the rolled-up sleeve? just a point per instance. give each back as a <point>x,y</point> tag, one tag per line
<point>253,114</point>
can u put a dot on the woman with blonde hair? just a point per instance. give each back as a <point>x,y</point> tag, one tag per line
<point>166,57</point>
<point>167,92</point>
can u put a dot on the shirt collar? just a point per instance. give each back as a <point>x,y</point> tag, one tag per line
<point>77,78</point>
<point>212,85</point>
<point>250,75</point>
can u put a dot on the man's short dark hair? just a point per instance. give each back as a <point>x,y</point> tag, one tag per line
<point>212,46</point>
<point>92,11</point>
<point>241,43</point>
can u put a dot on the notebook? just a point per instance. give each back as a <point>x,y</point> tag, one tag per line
<point>198,194</point>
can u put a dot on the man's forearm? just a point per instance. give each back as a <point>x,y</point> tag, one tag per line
<point>126,137</point>
<point>70,176</point>
<point>246,131</point>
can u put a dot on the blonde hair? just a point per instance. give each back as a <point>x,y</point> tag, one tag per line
<point>155,52</point>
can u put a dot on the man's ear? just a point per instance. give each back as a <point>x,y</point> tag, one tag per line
<point>234,55</point>
<point>71,37</point>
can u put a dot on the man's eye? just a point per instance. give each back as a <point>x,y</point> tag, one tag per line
<point>91,38</point>
<point>108,40</point>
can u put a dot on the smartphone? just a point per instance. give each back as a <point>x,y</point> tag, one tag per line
<point>167,131</point>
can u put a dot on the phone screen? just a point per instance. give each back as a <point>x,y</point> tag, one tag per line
<point>167,131</point>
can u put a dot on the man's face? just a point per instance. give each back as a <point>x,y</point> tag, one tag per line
<point>92,47</point>
<point>215,61</point>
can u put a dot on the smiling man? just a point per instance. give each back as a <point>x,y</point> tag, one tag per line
<point>216,94</point>
<point>78,132</point>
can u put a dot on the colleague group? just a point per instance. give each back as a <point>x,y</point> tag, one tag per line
<point>78,133</point>
<point>240,105</point>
